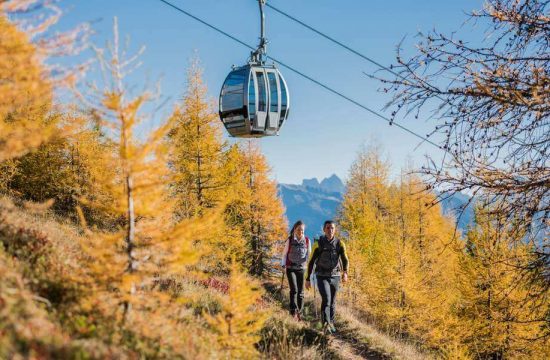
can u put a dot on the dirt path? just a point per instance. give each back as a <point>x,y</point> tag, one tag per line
<point>347,343</point>
<point>348,350</point>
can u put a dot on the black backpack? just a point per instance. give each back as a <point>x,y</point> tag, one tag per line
<point>329,256</point>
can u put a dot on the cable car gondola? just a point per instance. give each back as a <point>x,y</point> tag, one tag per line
<point>254,99</point>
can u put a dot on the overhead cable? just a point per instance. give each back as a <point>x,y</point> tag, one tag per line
<point>339,43</point>
<point>300,73</point>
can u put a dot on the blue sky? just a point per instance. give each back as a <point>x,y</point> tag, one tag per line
<point>323,133</point>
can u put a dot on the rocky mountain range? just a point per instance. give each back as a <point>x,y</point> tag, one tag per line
<point>315,201</point>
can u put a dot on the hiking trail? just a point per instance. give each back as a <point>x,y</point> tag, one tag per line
<point>354,339</point>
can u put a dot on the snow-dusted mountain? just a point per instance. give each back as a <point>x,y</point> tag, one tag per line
<point>314,202</point>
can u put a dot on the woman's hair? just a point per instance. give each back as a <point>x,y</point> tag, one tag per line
<point>296,224</point>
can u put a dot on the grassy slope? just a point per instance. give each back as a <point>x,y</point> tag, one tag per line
<point>41,316</point>
<point>38,263</point>
<point>47,311</point>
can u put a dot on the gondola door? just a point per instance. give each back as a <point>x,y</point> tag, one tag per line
<point>261,100</point>
<point>274,101</point>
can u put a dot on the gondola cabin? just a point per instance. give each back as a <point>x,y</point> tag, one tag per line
<point>254,101</point>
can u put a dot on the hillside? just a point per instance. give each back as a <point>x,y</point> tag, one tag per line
<point>43,313</point>
<point>51,309</point>
<point>39,286</point>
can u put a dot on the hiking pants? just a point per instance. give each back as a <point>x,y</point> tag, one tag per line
<point>296,285</point>
<point>328,286</point>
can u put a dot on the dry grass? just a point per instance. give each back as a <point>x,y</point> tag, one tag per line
<point>284,338</point>
<point>35,283</point>
<point>41,282</point>
<point>377,340</point>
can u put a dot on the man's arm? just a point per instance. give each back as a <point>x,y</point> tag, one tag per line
<point>344,256</point>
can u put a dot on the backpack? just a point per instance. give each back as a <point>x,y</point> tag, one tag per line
<point>302,256</point>
<point>329,258</point>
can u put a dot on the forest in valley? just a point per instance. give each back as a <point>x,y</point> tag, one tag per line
<point>115,245</point>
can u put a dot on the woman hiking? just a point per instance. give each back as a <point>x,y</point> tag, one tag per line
<point>294,259</point>
<point>331,262</point>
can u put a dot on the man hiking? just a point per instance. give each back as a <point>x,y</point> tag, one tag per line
<point>331,262</point>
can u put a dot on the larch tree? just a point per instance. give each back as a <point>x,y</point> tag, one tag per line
<point>492,105</point>
<point>241,317</point>
<point>197,149</point>
<point>403,263</point>
<point>60,169</point>
<point>125,262</point>
<point>204,170</point>
<point>207,175</point>
<point>25,96</point>
<point>258,211</point>
<point>366,198</point>
<point>427,261</point>
<point>500,313</point>
<point>37,18</point>
<point>29,117</point>
<point>361,217</point>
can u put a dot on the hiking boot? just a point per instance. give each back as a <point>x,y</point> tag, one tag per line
<point>298,317</point>
<point>328,328</point>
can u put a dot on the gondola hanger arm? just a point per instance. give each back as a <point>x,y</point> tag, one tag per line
<point>257,56</point>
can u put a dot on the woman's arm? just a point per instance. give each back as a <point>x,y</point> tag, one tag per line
<point>285,254</point>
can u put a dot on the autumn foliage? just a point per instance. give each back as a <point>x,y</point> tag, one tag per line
<point>25,94</point>
<point>148,229</point>
<point>418,279</point>
<point>120,243</point>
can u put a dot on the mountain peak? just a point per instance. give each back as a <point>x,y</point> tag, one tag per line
<point>312,183</point>
<point>333,184</point>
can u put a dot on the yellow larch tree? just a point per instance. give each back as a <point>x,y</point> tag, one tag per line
<point>427,261</point>
<point>203,170</point>
<point>402,251</point>
<point>126,261</point>
<point>27,118</point>
<point>198,149</point>
<point>60,169</point>
<point>499,315</point>
<point>25,97</point>
<point>362,218</point>
<point>207,174</point>
<point>258,212</point>
<point>417,278</point>
<point>366,198</point>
